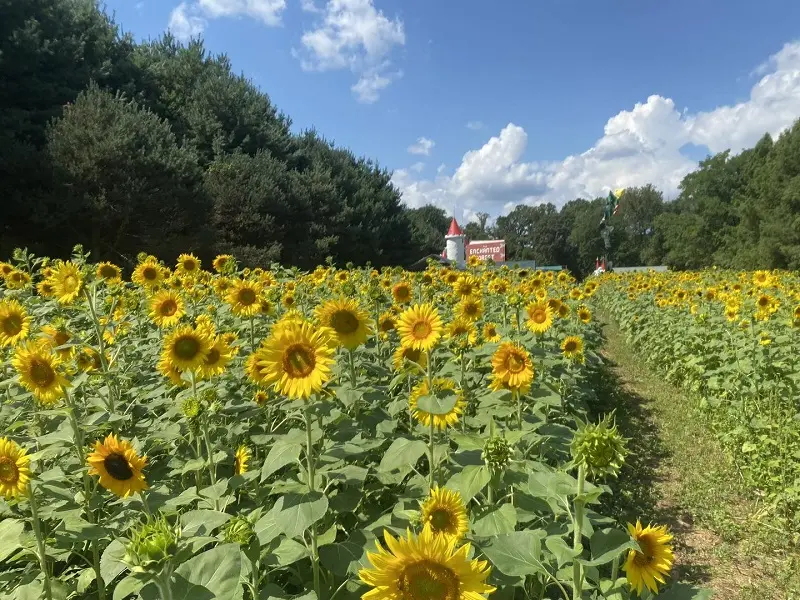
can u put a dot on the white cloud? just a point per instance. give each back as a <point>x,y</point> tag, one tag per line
<point>367,88</point>
<point>422,146</point>
<point>185,23</point>
<point>638,146</point>
<point>418,167</point>
<point>353,35</point>
<point>475,125</point>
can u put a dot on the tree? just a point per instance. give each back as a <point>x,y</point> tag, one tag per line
<point>428,227</point>
<point>534,233</point>
<point>478,230</point>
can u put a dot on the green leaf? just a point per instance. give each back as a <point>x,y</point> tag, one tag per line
<point>267,528</point>
<point>289,552</point>
<point>10,531</point>
<point>280,455</point>
<point>606,544</point>
<point>471,480</point>
<point>517,554</point>
<point>684,591</point>
<point>343,558</point>
<point>128,586</point>
<point>438,405</point>
<point>563,552</point>
<point>202,522</point>
<point>213,574</point>
<point>402,453</point>
<point>111,565</point>
<point>295,513</point>
<point>499,520</point>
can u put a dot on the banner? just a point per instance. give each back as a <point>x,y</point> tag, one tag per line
<point>484,249</point>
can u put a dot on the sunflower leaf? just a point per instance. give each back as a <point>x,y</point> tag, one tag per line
<point>438,404</point>
<point>517,554</point>
<point>402,453</point>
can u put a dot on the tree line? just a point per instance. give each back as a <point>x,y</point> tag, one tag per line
<point>160,146</point>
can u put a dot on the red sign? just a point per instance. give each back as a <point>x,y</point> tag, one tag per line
<point>494,249</point>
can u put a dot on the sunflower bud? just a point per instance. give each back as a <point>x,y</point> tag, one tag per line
<point>190,407</point>
<point>497,453</point>
<point>238,531</point>
<point>151,544</point>
<point>600,448</point>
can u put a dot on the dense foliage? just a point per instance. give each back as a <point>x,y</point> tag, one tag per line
<point>732,339</point>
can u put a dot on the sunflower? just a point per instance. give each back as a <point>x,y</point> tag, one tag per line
<point>649,567</point>
<point>244,297</point>
<point>490,333</point>
<point>14,323</point>
<point>260,397</point>
<point>56,336</point>
<point>347,319</point>
<point>572,348</point>
<point>576,293</point>
<point>470,308</point>
<point>108,272</point>
<point>88,359</point>
<point>444,512</point>
<point>563,311</point>
<point>167,308</point>
<point>148,274</point>
<point>401,293</point>
<point>420,327</point>
<point>288,300</point>
<point>584,314</point>
<point>170,371</point>
<point>440,384</point>
<point>424,567</point>
<point>217,359</point>
<point>296,359</point>
<point>5,269</point>
<point>67,282</point>
<point>466,285</point>
<point>405,353</point>
<point>498,286</point>
<point>188,265</point>
<point>37,368</point>
<point>386,324</point>
<point>463,330</point>
<point>762,279</point>
<point>16,280</point>
<point>45,288</point>
<point>15,470</point>
<point>118,465</point>
<point>474,261</point>
<point>223,263</point>
<point>240,460</point>
<point>187,347</point>
<point>540,317</point>
<point>512,365</point>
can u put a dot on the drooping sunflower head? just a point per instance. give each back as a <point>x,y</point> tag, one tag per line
<point>108,272</point>
<point>540,317</point>
<point>15,323</point>
<point>186,347</point>
<point>240,460</point>
<point>67,282</point>
<point>38,369</point>
<point>244,296</point>
<point>424,567</point>
<point>649,567</point>
<point>349,322</point>
<point>118,465</point>
<point>401,292</point>
<point>296,360</point>
<point>420,327</point>
<point>406,354</point>
<point>441,387</point>
<point>572,348</point>
<point>512,365</point>
<point>15,473</point>
<point>167,308</point>
<point>188,265</point>
<point>445,513</point>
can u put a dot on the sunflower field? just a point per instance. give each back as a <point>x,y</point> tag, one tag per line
<point>345,433</point>
<point>732,339</point>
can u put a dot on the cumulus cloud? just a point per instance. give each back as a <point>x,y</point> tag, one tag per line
<point>638,146</point>
<point>354,35</point>
<point>189,19</point>
<point>185,23</point>
<point>422,146</point>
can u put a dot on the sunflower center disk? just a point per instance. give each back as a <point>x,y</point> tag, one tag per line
<point>539,316</point>
<point>344,322</point>
<point>213,357</point>
<point>515,363</point>
<point>298,360</point>
<point>107,273</point>
<point>247,296</point>
<point>427,580</point>
<point>149,273</point>
<point>570,347</point>
<point>441,520</point>
<point>187,348</point>
<point>8,470</point>
<point>421,330</point>
<point>118,467</point>
<point>70,283</point>
<point>169,308</point>
<point>41,373</point>
<point>61,338</point>
<point>12,325</point>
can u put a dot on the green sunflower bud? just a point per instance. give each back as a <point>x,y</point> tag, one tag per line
<point>497,453</point>
<point>238,531</point>
<point>600,448</point>
<point>151,544</point>
<point>190,407</point>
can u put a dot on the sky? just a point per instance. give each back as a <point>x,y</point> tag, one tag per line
<point>480,106</point>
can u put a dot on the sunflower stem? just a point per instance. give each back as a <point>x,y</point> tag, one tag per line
<point>432,474</point>
<point>98,328</point>
<point>37,531</point>
<point>252,334</point>
<point>615,568</point>
<point>577,527</point>
<point>352,364</point>
<point>310,464</point>
<point>518,402</point>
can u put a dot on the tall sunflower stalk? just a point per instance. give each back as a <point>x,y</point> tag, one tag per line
<point>40,547</point>
<point>91,300</point>
<point>311,467</point>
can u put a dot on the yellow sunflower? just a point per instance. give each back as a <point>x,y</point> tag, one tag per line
<point>170,371</point>
<point>424,567</point>
<point>401,293</point>
<point>490,333</point>
<point>148,274</point>
<point>167,308</point>
<point>444,512</point>
<point>386,324</point>
<point>540,317</point>
<point>420,327</point>
<point>288,300</point>
<point>512,365</point>
<point>440,384</point>
<point>296,360</point>
<point>15,472</point>
<point>466,285</point>
<point>244,297</point>
<point>223,262</point>
<point>15,323</point>
<point>5,269</point>
<point>188,265</point>
<point>260,397</point>
<point>16,280</point>
<point>240,460</point>
<point>67,282</point>
<point>405,353</point>
<point>584,314</point>
<point>119,466</point>
<point>56,336</point>
<point>108,272</point>
<point>187,347</point>
<point>470,308</point>
<point>649,567</point>
<point>45,288</point>
<point>38,372</point>
<point>572,348</point>
<point>463,331</point>
<point>217,359</point>
<point>347,319</point>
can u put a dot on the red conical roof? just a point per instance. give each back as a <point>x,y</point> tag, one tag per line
<point>454,228</point>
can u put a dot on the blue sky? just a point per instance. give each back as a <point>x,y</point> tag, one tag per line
<point>516,101</point>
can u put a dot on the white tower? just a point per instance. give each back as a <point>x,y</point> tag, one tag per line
<point>455,249</point>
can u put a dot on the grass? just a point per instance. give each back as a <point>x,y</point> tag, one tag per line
<point>678,474</point>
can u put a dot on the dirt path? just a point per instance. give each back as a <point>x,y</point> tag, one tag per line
<point>678,475</point>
